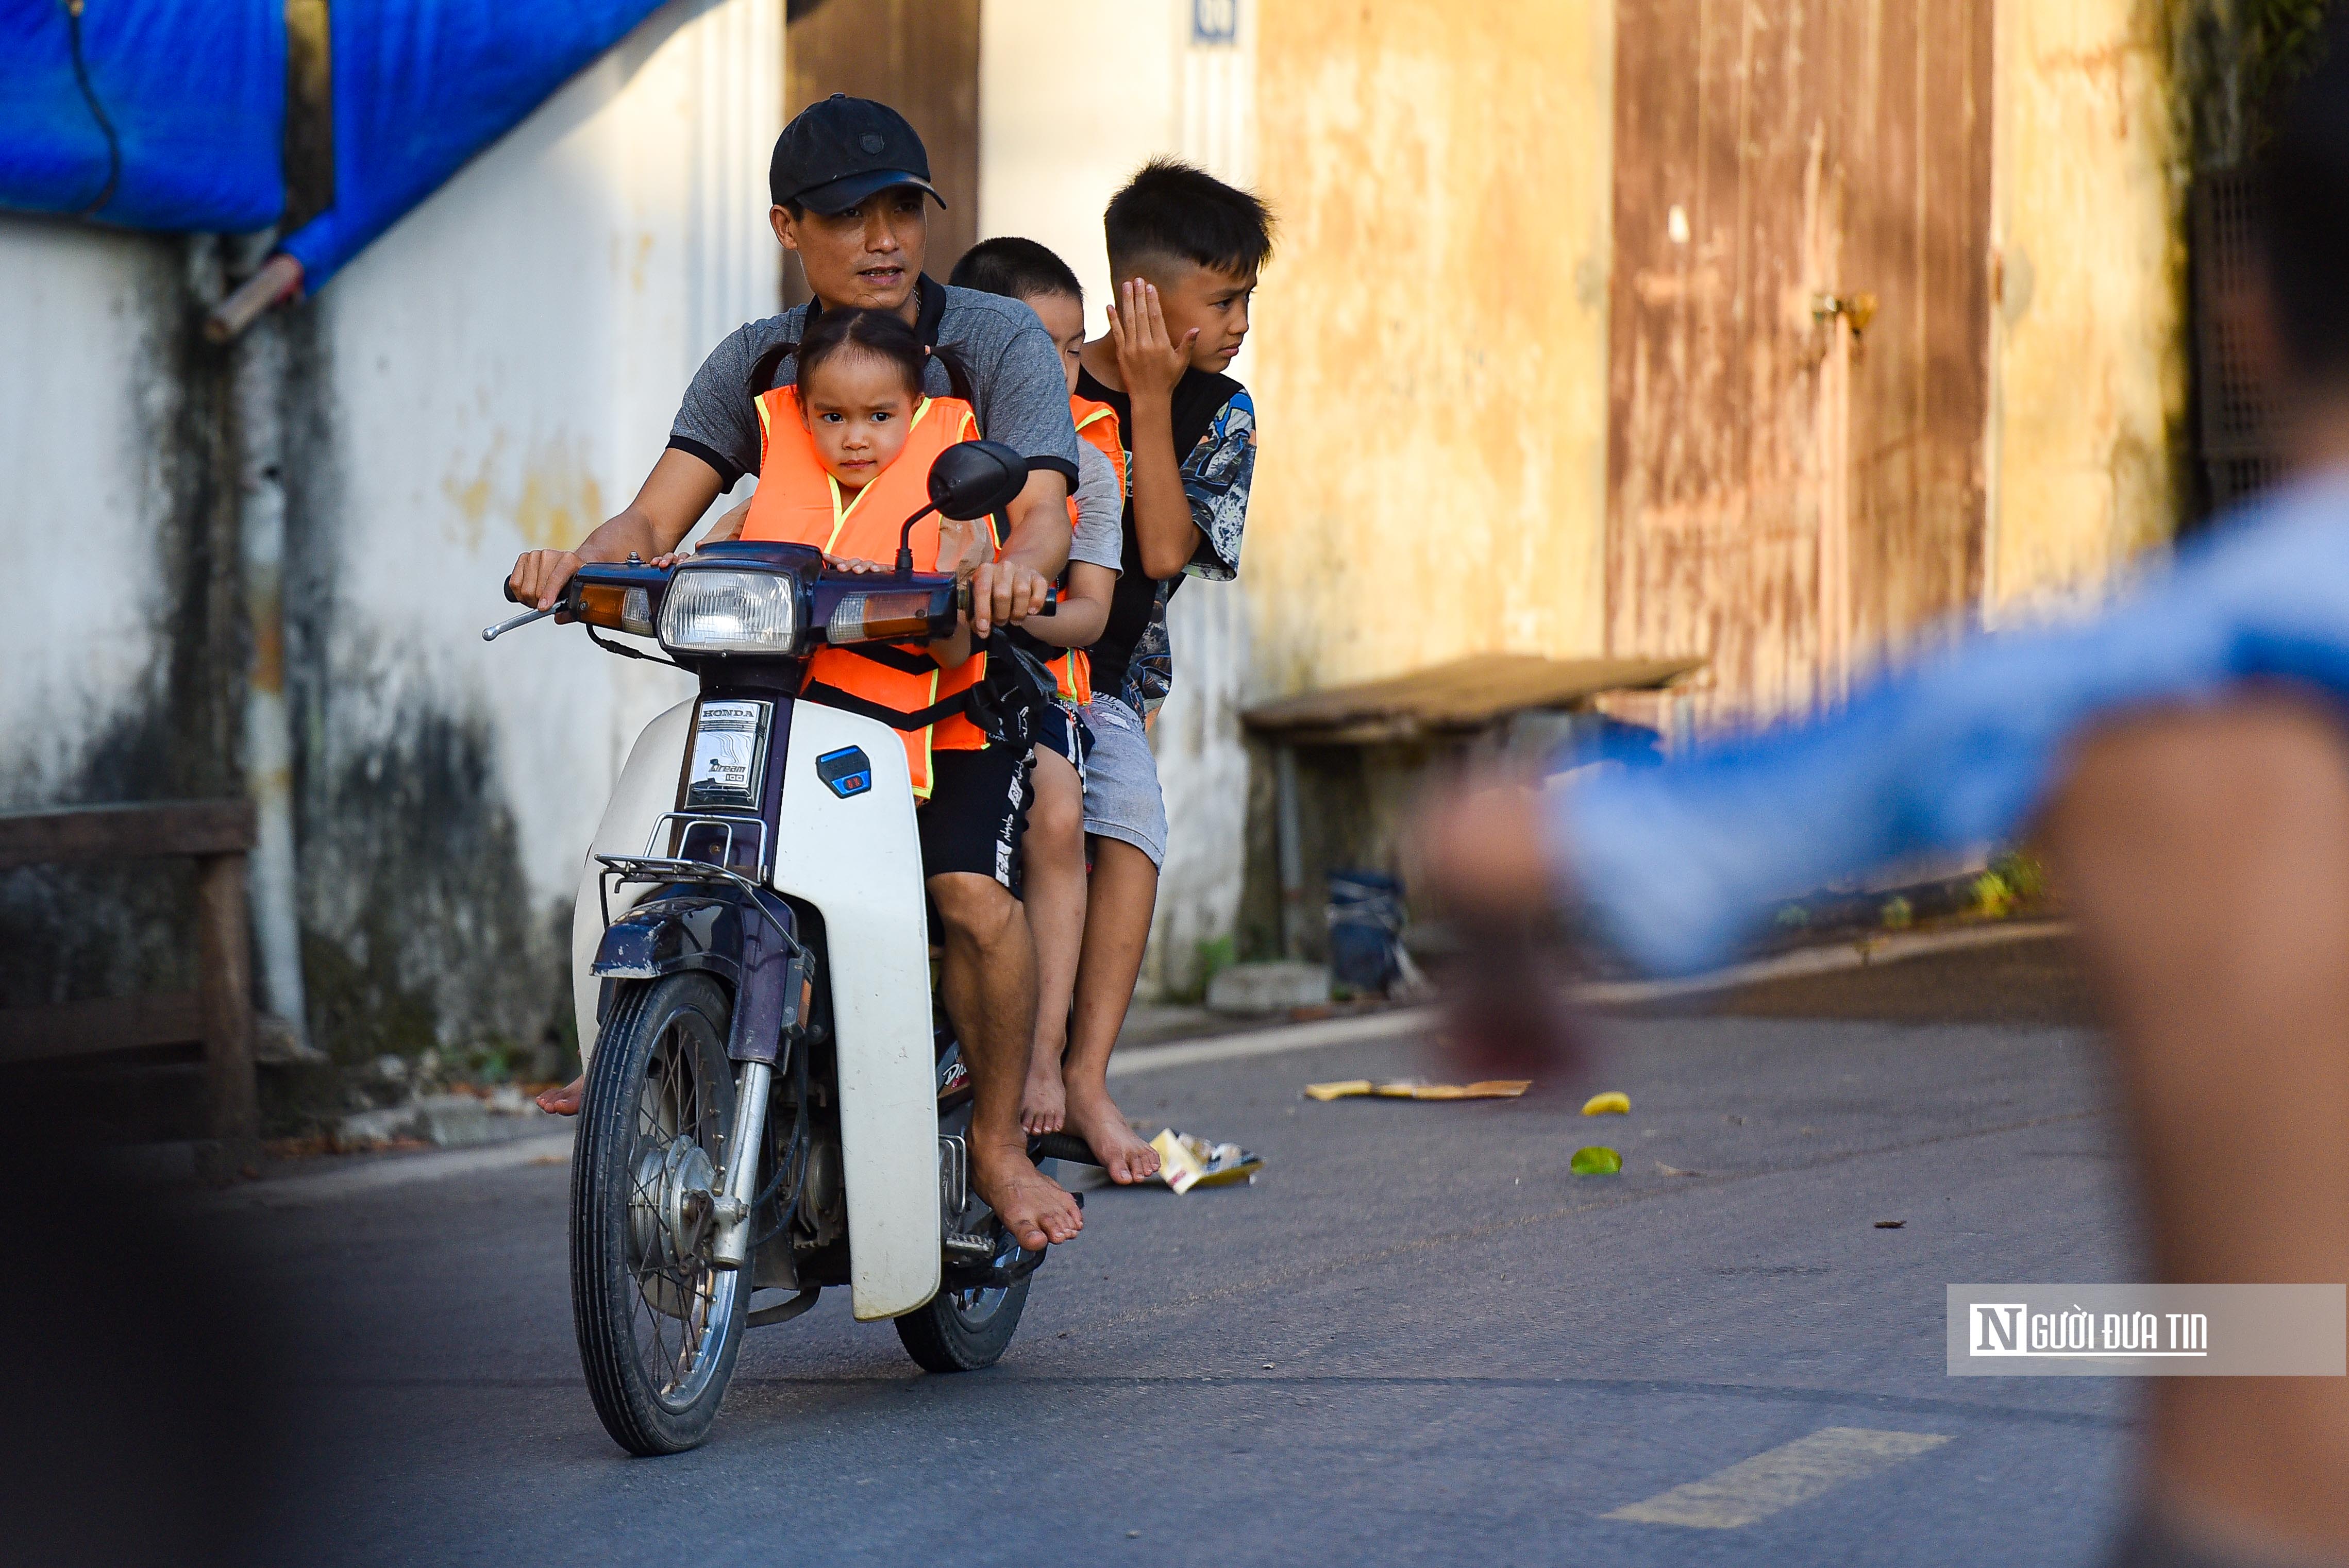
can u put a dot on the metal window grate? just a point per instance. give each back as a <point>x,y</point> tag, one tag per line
<point>2241,450</point>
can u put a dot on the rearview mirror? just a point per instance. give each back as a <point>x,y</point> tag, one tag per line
<point>971,479</point>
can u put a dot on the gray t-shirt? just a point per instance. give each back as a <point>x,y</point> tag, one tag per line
<point>1017,384</point>
<point>1101,511</point>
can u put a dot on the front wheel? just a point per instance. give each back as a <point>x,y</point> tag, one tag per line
<point>658,1326</point>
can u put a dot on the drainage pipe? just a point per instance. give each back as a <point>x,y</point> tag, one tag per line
<point>257,393</point>
<point>274,283</point>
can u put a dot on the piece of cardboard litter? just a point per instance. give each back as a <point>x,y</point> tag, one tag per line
<point>1414,1088</point>
<point>1186,1162</point>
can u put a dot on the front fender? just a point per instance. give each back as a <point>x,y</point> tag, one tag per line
<point>667,936</point>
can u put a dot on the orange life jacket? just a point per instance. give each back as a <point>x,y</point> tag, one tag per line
<point>798,503</point>
<point>1097,423</point>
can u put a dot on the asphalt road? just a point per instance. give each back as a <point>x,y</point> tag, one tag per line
<point>1419,1339</point>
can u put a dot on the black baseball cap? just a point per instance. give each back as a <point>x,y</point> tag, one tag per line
<point>836,153</point>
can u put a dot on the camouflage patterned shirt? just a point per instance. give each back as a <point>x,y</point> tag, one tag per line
<point>1216,477</point>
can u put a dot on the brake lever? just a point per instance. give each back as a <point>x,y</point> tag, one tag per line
<point>491,634</point>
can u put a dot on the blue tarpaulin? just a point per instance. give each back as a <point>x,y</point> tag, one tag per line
<point>420,85</point>
<point>195,91</point>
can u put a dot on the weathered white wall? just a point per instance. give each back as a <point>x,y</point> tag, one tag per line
<point>1202,761</point>
<point>498,373</point>
<point>1057,135</point>
<point>89,402</point>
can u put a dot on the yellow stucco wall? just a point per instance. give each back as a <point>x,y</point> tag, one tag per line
<point>2089,367</point>
<point>1430,349</point>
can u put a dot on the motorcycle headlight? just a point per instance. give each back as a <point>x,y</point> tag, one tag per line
<point>713,611</point>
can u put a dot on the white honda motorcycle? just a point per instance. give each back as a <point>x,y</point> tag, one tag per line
<point>774,1103</point>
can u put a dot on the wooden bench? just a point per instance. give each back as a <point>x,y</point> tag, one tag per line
<point>1454,705</point>
<point>217,1014</point>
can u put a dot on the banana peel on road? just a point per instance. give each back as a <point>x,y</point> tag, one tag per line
<point>1417,1089</point>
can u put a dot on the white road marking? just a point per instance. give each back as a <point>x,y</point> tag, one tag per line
<point>1790,1473</point>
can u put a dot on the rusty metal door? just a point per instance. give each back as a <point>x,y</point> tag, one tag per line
<point>1799,336</point>
<point>921,58</point>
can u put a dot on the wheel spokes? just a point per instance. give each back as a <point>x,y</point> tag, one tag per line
<point>675,1105</point>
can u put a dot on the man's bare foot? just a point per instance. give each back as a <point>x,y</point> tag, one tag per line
<point>1030,1204</point>
<point>1095,1118</point>
<point>564,1101</point>
<point>1043,1108</point>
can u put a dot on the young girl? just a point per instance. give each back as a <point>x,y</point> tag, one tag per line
<point>1028,271</point>
<point>858,398</point>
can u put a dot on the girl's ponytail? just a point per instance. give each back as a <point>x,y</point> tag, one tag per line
<point>762,369</point>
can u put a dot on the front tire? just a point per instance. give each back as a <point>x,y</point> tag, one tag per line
<point>658,1327</point>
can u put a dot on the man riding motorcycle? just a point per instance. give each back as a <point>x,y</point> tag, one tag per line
<point>850,183</point>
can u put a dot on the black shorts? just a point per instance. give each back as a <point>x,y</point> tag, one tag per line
<point>977,813</point>
<point>1060,731</point>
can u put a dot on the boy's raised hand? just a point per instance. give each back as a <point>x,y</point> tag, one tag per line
<point>1148,360</point>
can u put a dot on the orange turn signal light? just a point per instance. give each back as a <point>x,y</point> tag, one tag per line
<point>901,615</point>
<point>620,609</point>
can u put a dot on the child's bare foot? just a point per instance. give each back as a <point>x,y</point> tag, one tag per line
<point>1043,1107</point>
<point>564,1101</point>
<point>1095,1118</point>
<point>1030,1204</point>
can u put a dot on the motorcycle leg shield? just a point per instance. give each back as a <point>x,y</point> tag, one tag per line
<point>857,857</point>
<point>646,788</point>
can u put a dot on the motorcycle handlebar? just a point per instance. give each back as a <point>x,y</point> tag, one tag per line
<point>566,602</point>
<point>1051,597</point>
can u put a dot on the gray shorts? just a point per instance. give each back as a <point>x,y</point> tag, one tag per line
<point>1122,800</point>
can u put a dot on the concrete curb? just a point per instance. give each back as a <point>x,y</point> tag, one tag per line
<point>1269,1042</point>
<point>394,1170</point>
<point>1866,953</point>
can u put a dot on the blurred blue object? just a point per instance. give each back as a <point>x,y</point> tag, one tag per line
<point>1366,921</point>
<point>1679,863</point>
<point>172,116</point>
<point>1603,737</point>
